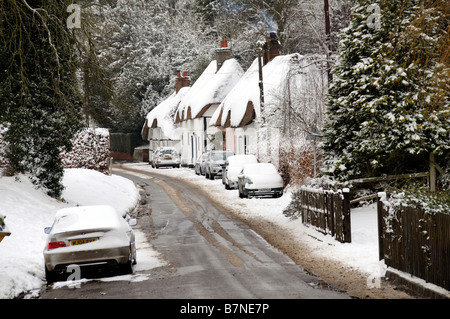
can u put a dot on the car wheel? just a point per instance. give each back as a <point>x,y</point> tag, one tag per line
<point>135,256</point>
<point>227,186</point>
<point>50,276</point>
<point>211,176</point>
<point>128,267</point>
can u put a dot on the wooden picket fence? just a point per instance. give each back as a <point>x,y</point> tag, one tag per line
<point>416,243</point>
<point>328,211</point>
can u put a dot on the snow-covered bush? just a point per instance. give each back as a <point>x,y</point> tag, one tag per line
<point>444,179</point>
<point>424,201</point>
<point>91,150</point>
<point>296,161</point>
<point>3,159</point>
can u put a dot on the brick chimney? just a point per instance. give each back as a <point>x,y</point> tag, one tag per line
<point>271,48</point>
<point>223,53</point>
<point>182,81</point>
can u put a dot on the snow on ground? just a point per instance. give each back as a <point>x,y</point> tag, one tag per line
<point>361,254</point>
<point>29,210</point>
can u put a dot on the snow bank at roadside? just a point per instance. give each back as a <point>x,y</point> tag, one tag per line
<point>88,187</point>
<point>28,210</point>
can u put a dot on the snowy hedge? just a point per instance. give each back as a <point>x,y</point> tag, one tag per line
<point>90,150</point>
<point>3,160</point>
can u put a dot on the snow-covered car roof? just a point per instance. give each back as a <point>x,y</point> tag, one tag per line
<point>87,217</point>
<point>260,169</point>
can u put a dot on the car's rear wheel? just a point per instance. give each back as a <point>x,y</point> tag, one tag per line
<point>50,276</point>
<point>128,267</point>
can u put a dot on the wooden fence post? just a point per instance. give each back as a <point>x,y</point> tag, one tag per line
<point>380,198</point>
<point>432,173</point>
<point>346,219</point>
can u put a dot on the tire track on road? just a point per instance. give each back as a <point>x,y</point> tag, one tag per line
<point>185,204</point>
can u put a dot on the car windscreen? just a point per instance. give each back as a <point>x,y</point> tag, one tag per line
<point>168,152</point>
<point>217,156</point>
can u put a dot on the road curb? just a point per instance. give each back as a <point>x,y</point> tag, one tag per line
<point>411,285</point>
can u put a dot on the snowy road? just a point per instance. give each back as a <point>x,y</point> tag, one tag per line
<point>207,253</point>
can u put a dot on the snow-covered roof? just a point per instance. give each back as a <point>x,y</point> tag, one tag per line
<point>210,88</point>
<point>162,116</point>
<point>86,218</point>
<point>242,105</point>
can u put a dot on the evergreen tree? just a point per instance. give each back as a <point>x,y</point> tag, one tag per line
<point>386,110</point>
<point>39,103</point>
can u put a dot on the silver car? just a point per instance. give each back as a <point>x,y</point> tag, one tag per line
<point>215,163</point>
<point>200,164</point>
<point>261,179</point>
<point>166,156</point>
<point>88,237</point>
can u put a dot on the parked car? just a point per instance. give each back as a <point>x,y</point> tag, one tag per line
<point>91,237</point>
<point>215,162</point>
<point>233,166</point>
<point>261,179</point>
<point>200,164</point>
<point>167,156</point>
<point>153,155</point>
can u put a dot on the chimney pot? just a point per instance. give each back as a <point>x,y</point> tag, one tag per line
<point>182,81</point>
<point>223,53</point>
<point>271,48</point>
